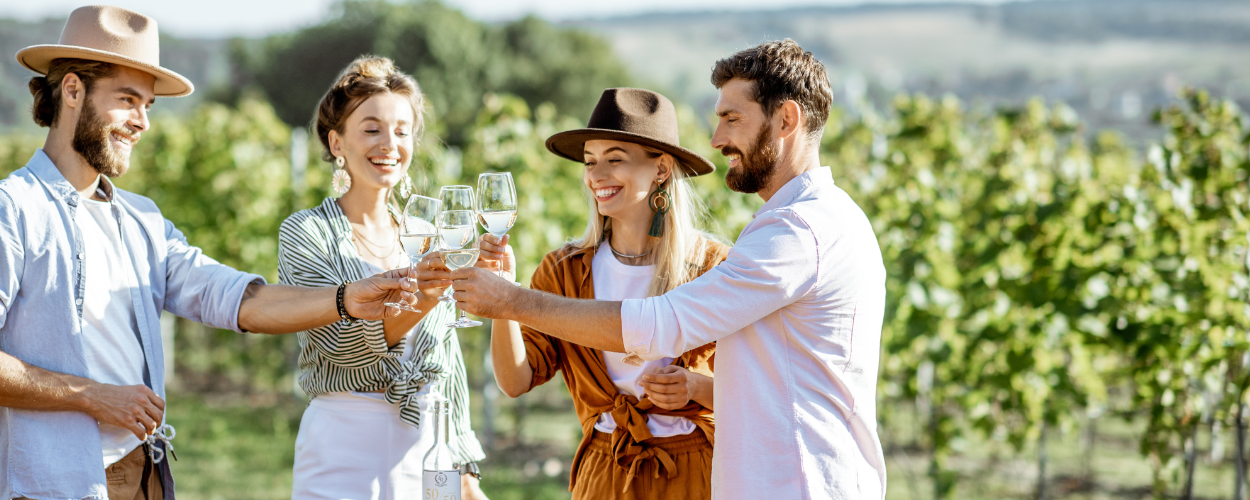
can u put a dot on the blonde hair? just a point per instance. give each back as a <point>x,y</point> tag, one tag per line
<point>365,77</point>
<point>681,250</point>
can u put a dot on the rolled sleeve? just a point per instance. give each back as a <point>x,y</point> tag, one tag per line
<point>200,288</point>
<point>638,328</point>
<point>774,263</point>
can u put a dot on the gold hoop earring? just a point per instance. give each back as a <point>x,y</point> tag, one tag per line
<point>660,202</point>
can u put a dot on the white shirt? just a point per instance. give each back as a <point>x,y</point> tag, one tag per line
<point>616,281</point>
<point>112,348</point>
<point>797,310</point>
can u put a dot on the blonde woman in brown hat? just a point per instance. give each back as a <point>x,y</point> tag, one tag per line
<point>647,428</point>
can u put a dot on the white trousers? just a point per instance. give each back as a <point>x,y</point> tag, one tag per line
<point>353,446</point>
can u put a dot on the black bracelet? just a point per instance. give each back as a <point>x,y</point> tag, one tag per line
<point>343,307</point>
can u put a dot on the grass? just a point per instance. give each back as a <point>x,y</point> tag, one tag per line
<point>1112,468</point>
<point>243,448</point>
<point>232,448</point>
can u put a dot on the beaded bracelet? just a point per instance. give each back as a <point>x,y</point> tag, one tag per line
<point>343,307</point>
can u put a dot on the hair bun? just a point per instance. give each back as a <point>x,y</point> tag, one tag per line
<point>372,67</point>
<point>44,108</point>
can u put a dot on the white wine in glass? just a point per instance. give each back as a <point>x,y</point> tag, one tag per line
<point>457,235</point>
<point>418,235</point>
<point>496,202</point>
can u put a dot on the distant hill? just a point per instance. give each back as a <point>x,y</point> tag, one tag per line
<point>1112,60</point>
<point>202,61</point>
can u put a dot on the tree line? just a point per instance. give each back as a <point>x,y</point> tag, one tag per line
<point>1040,275</point>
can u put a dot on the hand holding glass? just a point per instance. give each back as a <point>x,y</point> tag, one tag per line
<point>457,236</point>
<point>418,233</point>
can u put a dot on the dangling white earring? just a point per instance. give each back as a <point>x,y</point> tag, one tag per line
<point>405,187</point>
<point>342,181</point>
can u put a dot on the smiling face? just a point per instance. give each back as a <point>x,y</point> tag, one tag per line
<point>112,118</point>
<point>376,141</point>
<point>621,175</point>
<point>744,134</point>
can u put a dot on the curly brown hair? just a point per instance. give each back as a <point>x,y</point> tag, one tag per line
<point>782,71</point>
<point>47,89</point>
<point>363,78</point>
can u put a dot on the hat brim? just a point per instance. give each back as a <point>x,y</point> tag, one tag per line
<point>571,144</point>
<point>38,58</point>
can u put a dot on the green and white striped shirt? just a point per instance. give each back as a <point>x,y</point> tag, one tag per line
<point>315,249</point>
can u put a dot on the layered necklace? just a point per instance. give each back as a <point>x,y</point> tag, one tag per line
<point>365,244</point>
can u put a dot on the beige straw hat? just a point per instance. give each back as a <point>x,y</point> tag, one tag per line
<point>113,35</point>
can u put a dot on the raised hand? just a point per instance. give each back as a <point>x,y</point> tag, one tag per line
<point>496,255</point>
<point>482,293</point>
<point>132,407</point>
<point>433,278</point>
<point>366,298</point>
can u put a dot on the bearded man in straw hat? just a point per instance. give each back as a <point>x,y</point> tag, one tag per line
<point>796,307</point>
<point>86,269</point>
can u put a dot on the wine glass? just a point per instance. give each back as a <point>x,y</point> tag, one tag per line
<point>418,233</point>
<point>457,237</point>
<point>457,198</point>
<point>496,202</point>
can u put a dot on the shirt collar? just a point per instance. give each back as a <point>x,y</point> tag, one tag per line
<point>105,189</point>
<point>792,189</point>
<point>47,172</point>
<point>338,220</point>
<point>51,176</point>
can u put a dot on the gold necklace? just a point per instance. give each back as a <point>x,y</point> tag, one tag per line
<point>358,238</point>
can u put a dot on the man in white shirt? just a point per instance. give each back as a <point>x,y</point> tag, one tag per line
<point>796,308</point>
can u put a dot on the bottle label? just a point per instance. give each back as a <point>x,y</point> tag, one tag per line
<point>440,484</point>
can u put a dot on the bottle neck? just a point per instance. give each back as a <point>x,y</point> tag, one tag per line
<point>442,422</point>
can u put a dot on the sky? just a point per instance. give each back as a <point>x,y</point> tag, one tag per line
<point>217,18</point>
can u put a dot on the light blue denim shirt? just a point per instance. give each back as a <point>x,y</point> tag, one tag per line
<point>46,454</point>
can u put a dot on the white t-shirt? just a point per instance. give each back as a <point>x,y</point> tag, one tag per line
<point>114,355</point>
<point>616,281</point>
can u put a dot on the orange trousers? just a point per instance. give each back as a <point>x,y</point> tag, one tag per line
<point>600,478</point>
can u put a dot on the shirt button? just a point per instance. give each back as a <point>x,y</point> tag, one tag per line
<point>79,255</point>
<point>78,301</point>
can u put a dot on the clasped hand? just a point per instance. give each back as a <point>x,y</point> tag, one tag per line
<point>669,387</point>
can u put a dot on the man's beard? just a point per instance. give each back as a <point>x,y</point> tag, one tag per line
<point>91,140</point>
<point>756,168</point>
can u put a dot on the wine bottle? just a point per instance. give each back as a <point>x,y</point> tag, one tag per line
<point>440,479</point>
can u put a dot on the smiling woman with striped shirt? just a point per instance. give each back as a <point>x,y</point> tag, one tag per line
<point>364,434</point>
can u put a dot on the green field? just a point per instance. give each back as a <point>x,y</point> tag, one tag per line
<point>242,448</point>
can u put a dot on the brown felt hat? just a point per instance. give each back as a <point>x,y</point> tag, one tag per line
<point>631,115</point>
<point>112,35</point>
